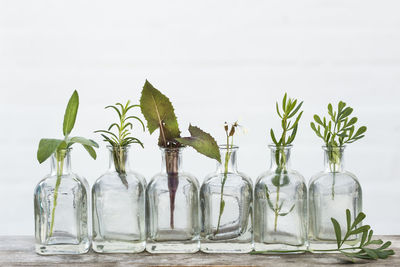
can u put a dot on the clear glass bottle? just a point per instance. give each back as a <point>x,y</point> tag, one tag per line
<point>226,200</point>
<point>61,209</point>
<point>331,192</point>
<point>172,207</point>
<point>118,199</point>
<point>280,206</point>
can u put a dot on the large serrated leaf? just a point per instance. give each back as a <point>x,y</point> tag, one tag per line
<point>159,114</point>
<point>203,142</point>
<point>70,113</point>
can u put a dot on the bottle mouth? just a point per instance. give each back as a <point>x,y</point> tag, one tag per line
<point>225,147</point>
<point>120,147</point>
<point>330,148</point>
<point>273,146</point>
<point>171,149</point>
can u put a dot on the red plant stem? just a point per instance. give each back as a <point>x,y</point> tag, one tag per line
<point>172,161</point>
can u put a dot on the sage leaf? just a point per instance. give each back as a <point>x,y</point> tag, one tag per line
<point>83,141</point>
<point>70,113</point>
<point>46,148</point>
<point>202,142</point>
<point>91,151</point>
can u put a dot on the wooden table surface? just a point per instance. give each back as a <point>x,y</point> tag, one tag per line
<point>19,251</point>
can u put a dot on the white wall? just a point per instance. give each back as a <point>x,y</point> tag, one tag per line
<point>217,61</point>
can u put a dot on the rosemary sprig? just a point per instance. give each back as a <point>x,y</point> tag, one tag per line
<point>290,107</point>
<point>229,145</point>
<point>337,130</point>
<point>368,248</point>
<point>122,138</point>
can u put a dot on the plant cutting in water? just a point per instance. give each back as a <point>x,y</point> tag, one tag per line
<point>378,250</point>
<point>120,140</point>
<point>59,146</point>
<point>229,146</point>
<point>159,114</point>
<point>290,107</point>
<point>338,130</point>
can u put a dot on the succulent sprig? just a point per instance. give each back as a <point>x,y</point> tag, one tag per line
<point>122,137</point>
<point>338,129</point>
<point>290,107</point>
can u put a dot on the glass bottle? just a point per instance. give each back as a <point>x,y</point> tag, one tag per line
<point>172,207</point>
<point>331,192</point>
<point>226,200</point>
<point>61,209</point>
<point>118,199</point>
<point>280,206</point>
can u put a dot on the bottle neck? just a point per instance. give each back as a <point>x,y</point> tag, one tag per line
<point>334,159</point>
<point>280,158</point>
<point>228,159</point>
<point>171,162</point>
<point>61,162</point>
<point>119,159</point>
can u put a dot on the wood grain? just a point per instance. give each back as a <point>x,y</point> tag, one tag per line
<point>19,251</point>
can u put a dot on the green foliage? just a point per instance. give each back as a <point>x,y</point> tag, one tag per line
<point>49,146</point>
<point>290,107</point>
<point>122,137</point>
<point>159,114</point>
<point>338,129</point>
<point>379,251</point>
<point>202,142</point>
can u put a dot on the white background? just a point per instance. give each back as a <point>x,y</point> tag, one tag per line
<point>216,61</point>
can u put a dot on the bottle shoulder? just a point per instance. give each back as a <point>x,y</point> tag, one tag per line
<point>113,178</point>
<point>68,181</point>
<point>293,176</point>
<point>231,178</point>
<point>162,178</point>
<point>323,176</point>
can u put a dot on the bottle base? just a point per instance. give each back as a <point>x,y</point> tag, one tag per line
<point>225,247</point>
<point>172,246</point>
<point>280,248</point>
<point>70,249</point>
<point>118,246</point>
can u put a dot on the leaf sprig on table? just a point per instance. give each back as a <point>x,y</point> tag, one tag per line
<point>365,250</point>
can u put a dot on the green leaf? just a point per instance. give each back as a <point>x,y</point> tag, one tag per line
<point>202,142</point>
<point>273,137</point>
<point>361,229</point>
<point>91,151</point>
<point>318,120</point>
<point>83,141</point>
<point>46,148</point>
<point>70,113</point>
<point>370,253</point>
<point>361,216</point>
<point>159,114</point>
<point>338,231</point>
<point>348,219</point>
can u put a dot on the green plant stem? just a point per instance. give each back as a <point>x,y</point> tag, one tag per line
<point>304,250</point>
<point>60,165</point>
<point>227,157</point>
